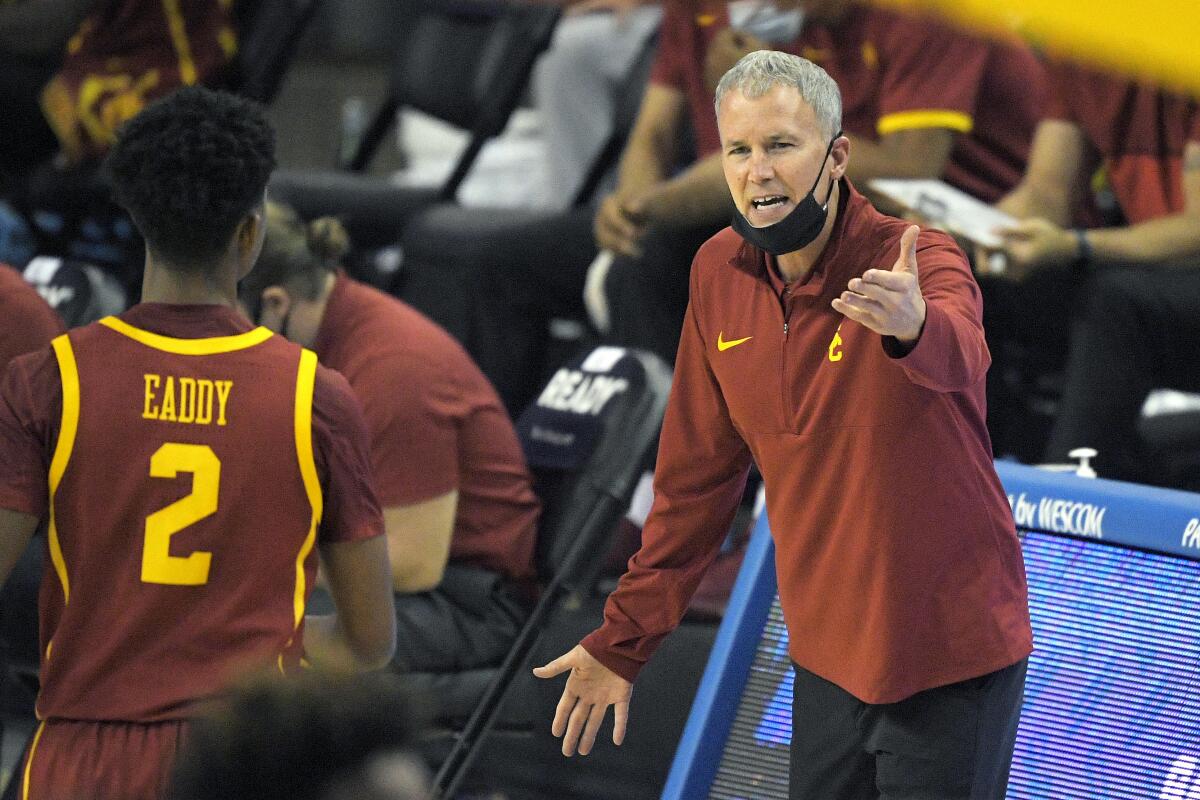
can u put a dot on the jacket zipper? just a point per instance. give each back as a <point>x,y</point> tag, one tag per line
<point>784,420</point>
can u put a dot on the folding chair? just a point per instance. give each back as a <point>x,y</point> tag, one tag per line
<point>465,62</point>
<point>268,34</point>
<point>588,439</point>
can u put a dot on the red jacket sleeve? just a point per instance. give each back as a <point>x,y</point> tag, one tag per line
<point>698,483</point>
<point>951,354</point>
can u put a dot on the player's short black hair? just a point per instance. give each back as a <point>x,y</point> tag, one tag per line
<point>188,169</point>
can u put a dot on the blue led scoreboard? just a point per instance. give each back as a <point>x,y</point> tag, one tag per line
<point>1112,697</point>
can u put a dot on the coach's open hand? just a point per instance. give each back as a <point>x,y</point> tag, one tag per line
<point>889,303</point>
<point>591,688</point>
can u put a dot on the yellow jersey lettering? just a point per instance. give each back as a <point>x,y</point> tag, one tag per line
<point>150,410</point>
<point>188,401</point>
<point>835,347</point>
<point>167,410</point>
<point>204,401</point>
<point>223,388</point>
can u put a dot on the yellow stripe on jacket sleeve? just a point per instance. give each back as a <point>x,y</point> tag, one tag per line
<point>924,118</point>
<point>69,375</point>
<point>305,381</point>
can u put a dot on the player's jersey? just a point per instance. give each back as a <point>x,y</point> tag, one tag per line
<point>182,545</point>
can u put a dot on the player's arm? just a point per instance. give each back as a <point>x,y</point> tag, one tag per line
<point>649,154</point>
<point>696,196</point>
<point>30,402</point>
<point>1172,239</point>
<point>911,153</point>
<point>1055,179</point>
<point>351,543</point>
<point>16,529</point>
<point>364,627</point>
<point>1169,240</point>
<point>418,542</point>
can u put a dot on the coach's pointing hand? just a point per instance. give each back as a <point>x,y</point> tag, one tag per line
<point>889,302</point>
<point>591,688</point>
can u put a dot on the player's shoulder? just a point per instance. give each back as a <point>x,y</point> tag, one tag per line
<point>35,369</point>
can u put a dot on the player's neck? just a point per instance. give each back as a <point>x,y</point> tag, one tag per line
<point>163,283</point>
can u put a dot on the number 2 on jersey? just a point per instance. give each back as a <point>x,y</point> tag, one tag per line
<point>158,565</point>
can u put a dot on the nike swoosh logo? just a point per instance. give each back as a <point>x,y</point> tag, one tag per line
<point>723,345</point>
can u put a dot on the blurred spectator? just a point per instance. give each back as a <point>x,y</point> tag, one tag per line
<point>458,501</point>
<point>127,53</point>
<point>314,738</point>
<point>27,322</point>
<point>1139,314</point>
<point>576,83</point>
<point>919,100</point>
<point>97,64</point>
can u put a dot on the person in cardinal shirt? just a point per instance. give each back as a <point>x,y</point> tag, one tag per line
<point>842,351</point>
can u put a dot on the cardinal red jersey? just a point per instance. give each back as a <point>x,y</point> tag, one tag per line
<point>185,497</point>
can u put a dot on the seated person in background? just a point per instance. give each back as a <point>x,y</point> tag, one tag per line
<point>595,46</point>
<point>121,55</point>
<point>458,502</point>
<point>125,54</point>
<point>190,467</point>
<point>318,737</point>
<point>1138,319</point>
<point>920,100</point>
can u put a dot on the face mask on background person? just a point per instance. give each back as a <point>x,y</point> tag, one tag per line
<point>762,19</point>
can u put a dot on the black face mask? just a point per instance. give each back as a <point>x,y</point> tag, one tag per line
<point>797,229</point>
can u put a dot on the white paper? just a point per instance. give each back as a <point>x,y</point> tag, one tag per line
<point>942,205</point>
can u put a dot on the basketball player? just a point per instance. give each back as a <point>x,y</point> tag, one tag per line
<point>190,467</point>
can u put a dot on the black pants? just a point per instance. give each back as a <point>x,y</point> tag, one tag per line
<point>648,295</point>
<point>950,743</point>
<point>1028,327</point>
<point>449,639</point>
<point>1140,330</point>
